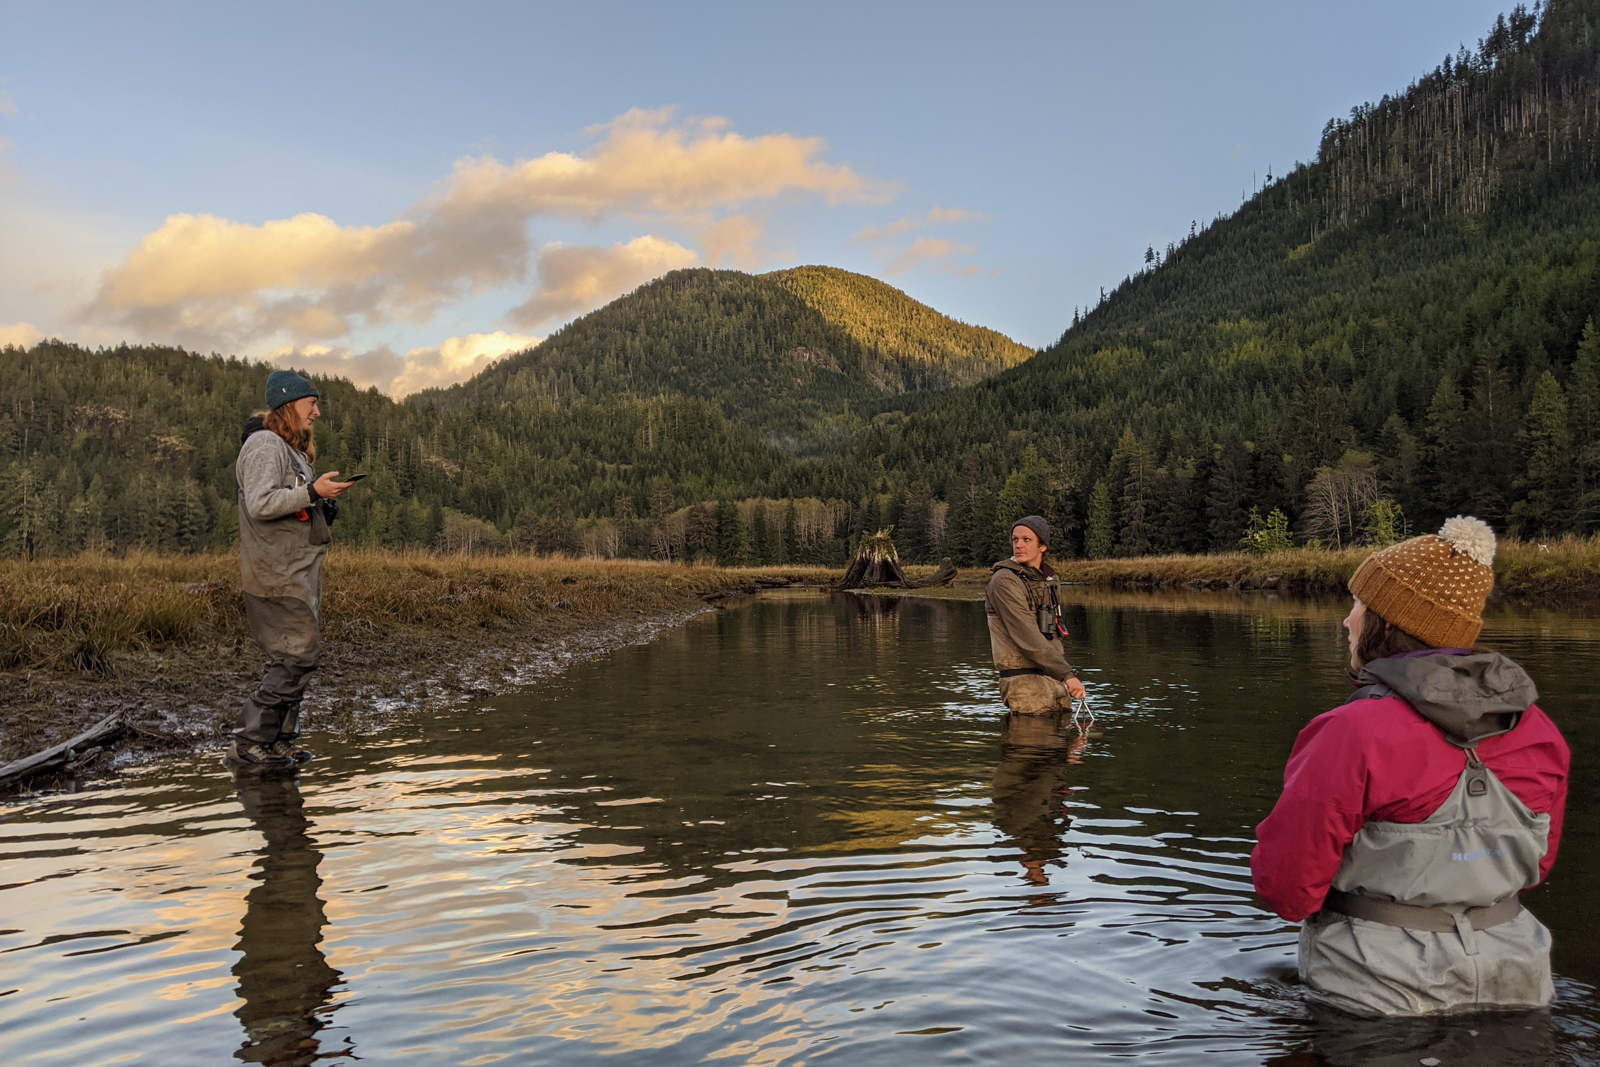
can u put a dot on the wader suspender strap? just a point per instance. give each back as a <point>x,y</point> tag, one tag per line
<point>1435,920</point>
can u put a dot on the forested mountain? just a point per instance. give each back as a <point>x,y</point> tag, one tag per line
<point>798,355</point>
<point>1400,330</point>
<point>1407,320</point>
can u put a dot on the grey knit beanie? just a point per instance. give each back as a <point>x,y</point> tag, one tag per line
<point>1036,523</point>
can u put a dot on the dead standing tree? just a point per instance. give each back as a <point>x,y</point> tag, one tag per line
<point>1338,499</point>
<point>878,563</point>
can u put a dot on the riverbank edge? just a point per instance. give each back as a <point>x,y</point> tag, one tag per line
<point>402,632</point>
<point>1556,572</point>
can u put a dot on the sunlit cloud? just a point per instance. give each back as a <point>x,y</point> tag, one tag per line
<point>645,166</point>
<point>455,360</point>
<point>926,250</point>
<point>577,278</point>
<point>208,281</point>
<point>20,334</point>
<point>938,216</point>
<point>734,241</point>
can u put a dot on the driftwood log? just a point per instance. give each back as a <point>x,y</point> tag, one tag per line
<point>878,563</point>
<point>67,752</point>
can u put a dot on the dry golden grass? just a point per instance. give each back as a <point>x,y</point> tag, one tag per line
<point>1311,571</point>
<point>1561,568</point>
<point>84,611</point>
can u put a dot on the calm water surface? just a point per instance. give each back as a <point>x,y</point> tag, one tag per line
<point>797,832</point>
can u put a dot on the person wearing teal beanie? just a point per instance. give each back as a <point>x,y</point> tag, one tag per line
<point>284,514</point>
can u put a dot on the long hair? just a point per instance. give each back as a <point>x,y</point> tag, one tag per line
<point>1381,638</point>
<point>284,421</point>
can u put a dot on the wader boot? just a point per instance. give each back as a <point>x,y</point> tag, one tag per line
<point>1424,917</point>
<point>286,629</point>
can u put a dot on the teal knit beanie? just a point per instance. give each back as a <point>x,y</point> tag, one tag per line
<point>285,386</point>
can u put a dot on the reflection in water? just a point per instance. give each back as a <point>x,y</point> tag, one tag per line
<point>1030,786</point>
<point>1488,1039</point>
<point>284,980</point>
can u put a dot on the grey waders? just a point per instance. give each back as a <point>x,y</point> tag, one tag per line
<point>283,540</point>
<point>1424,917</point>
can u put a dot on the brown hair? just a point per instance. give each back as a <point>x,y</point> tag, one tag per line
<point>284,421</point>
<point>1381,638</point>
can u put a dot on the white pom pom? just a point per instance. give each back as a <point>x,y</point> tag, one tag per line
<point>1471,537</point>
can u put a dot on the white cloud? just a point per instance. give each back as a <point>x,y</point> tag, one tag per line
<point>576,278</point>
<point>20,334</point>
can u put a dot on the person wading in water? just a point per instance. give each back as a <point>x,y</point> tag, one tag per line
<point>1413,815</point>
<point>1025,628</point>
<point>284,513</point>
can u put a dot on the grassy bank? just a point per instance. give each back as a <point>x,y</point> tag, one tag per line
<point>1565,569</point>
<point>163,637</point>
<point>91,612</point>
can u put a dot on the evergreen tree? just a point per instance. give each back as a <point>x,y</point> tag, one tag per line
<point>1227,497</point>
<point>1546,487</point>
<point>1443,450</point>
<point>1102,530</point>
<point>1137,528</point>
<point>1493,417</point>
<point>911,534</point>
<point>1583,402</point>
<point>1026,492</point>
<point>1400,459</point>
<point>762,550</point>
<point>733,546</point>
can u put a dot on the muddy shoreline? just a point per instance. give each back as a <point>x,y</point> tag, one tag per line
<point>492,631</point>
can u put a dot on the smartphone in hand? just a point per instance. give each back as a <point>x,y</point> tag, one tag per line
<point>351,477</point>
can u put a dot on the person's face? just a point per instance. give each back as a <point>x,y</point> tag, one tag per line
<point>1025,547</point>
<point>306,409</point>
<point>1352,626</point>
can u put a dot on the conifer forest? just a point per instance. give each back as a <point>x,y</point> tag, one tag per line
<point>1404,328</point>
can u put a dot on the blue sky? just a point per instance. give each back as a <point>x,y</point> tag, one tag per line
<point>401,192</point>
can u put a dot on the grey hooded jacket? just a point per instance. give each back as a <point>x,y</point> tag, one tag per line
<point>280,554</point>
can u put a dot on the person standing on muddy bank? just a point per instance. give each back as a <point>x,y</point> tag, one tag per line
<point>284,516</point>
<point>1025,631</point>
<point>1413,816</point>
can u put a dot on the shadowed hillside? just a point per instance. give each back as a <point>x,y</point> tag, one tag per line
<point>1404,319</point>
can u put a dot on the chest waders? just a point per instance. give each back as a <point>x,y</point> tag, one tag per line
<point>1424,917</point>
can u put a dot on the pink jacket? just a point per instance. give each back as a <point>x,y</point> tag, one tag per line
<point>1378,759</point>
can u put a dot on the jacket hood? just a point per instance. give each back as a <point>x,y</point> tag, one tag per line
<point>1009,564</point>
<point>1469,697</point>
<point>254,424</point>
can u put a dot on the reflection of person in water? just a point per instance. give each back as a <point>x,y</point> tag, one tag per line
<point>284,980</point>
<point>1030,786</point>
